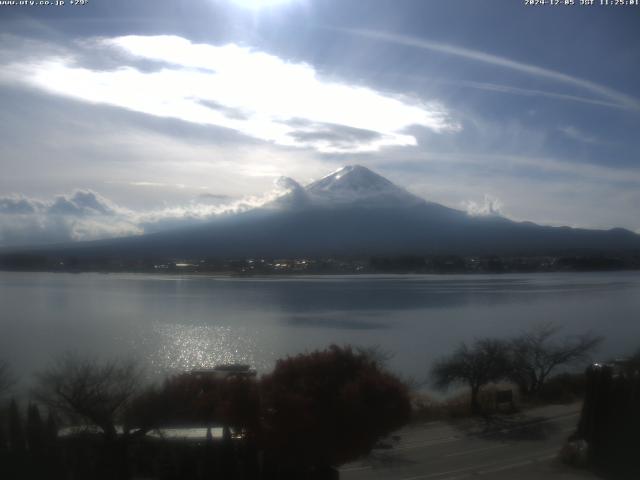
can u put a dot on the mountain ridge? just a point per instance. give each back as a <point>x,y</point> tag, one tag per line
<point>356,212</point>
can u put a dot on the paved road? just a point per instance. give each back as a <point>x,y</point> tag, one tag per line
<point>523,446</point>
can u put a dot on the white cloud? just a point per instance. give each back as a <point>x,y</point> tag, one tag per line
<point>255,93</point>
<point>83,215</point>
<point>490,206</point>
<point>86,215</point>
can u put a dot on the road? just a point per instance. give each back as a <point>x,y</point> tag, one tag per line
<point>521,446</point>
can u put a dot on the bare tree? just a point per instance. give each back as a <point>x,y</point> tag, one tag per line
<point>536,353</point>
<point>483,362</point>
<point>85,390</point>
<point>376,353</point>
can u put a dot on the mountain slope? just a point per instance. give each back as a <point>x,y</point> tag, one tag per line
<point>356,212</point>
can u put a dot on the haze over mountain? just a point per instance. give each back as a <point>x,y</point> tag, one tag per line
<point>356,212</point>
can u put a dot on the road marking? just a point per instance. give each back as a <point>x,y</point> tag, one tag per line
<point>490,467</point>
<point>444,440</point>
<point>473,470</point>
<point>509,466</point>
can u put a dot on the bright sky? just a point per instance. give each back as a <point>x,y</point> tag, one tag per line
<point>123,117</point>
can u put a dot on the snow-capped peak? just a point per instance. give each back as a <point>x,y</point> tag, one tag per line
<point>353,185</point>
<point>358,184</point>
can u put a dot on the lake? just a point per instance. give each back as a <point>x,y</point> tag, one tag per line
<point>180,322</point>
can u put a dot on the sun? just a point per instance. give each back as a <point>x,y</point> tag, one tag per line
<point>259,4</point>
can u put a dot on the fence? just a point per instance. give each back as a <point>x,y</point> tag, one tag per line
<point>35,450</point>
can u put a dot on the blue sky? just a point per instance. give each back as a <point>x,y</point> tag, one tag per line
<point>127,117</point>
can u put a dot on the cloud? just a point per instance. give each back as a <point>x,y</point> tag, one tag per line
<point>87,215</point>
<point>490,206</point>
<point>81,203</point>
<point>544,190</point>
<point>229,112</point>
<point>82,215</point>
<point>18,205</point>
<point>329,138</point>
<point>578,135</point>
<point>154,184</point>
<point>40,228</point>
<point>620,99</point>
<point>215,198</point>
<point>252,92</point>
<point>493,87</point>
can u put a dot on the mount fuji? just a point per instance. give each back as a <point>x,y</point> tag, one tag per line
<point>348,187</point>
<point>357,185</point>
<point>356,212</point>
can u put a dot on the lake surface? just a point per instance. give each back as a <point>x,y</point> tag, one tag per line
<point>181,322</point>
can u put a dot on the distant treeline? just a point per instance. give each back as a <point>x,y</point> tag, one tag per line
<point>499,264</point>
<point>332,265</point>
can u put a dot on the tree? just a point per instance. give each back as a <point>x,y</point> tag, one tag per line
<point>200,399</point>
<point>6,378</point>
<point>327,407</point>
<point>51,430</point>
<point>36,435</point>
<point>535,354</point>
<point>483,362</point>
<point>84,390</point>
<point>377,354</point>
<point>16,430</point>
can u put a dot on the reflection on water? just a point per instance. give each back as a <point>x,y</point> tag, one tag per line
<point>177,347</point>
<point>175,322</point>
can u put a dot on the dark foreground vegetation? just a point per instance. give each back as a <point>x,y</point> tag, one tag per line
<point>526,361</point>
<point>606,438</point>
<point>313,412</point>
<point>607,434</point>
